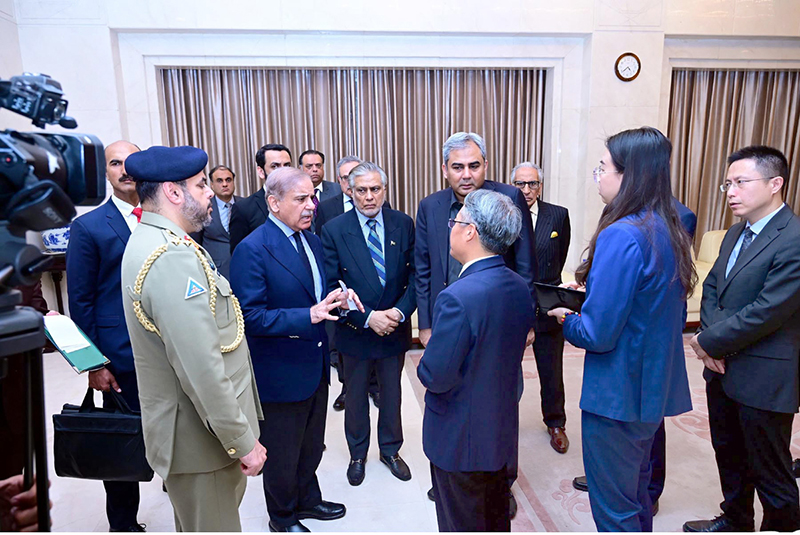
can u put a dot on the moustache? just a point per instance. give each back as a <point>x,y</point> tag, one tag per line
<point>308,213</point>
<point>126,178</point>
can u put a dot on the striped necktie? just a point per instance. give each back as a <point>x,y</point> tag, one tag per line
<point>375,251</point>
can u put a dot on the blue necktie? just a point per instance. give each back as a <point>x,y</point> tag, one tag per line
<point>303,256</point>
<point>746,241</point>
<point>376,252</point>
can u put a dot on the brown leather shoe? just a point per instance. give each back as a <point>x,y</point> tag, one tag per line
<point>558,439</point>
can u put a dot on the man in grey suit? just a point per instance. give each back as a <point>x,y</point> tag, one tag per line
<point>749,342</point>
<point>216,237</point>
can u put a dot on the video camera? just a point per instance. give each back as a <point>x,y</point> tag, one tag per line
<point>42,177</point>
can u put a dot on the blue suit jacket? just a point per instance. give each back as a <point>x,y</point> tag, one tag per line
<point>432,247</point>
<point>347,258</point>
<point>631,326</point>
<point>94,256</point>
<point>289,353</point>
<point>471,368</point>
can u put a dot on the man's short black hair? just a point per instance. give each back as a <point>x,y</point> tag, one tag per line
<point>148,191</point>
<point>310,151</point>
<point>261,159</point>
<point>217,168</point>
<point>769,161</point>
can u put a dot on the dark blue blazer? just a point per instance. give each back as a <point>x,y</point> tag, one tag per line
<point>94,258</point>
<point>432,247</point>
<point>631,326</point>
<point>289,353</point>
<point>347,258</point>
<point>471,368</point>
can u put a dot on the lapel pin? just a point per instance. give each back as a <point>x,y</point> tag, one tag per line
<point>392,242</point>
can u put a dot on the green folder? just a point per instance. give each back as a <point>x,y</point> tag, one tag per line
<point>84,359</point>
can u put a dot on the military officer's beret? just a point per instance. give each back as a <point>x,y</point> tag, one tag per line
<point>166,164</point>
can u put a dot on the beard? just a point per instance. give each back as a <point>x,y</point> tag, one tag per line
<point>194,213</point>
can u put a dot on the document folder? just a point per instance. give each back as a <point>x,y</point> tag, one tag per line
<point>73,344</point>
<point>551,297</point>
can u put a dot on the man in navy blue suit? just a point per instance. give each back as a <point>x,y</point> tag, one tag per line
<point>97,241</point>
<point>278,273</point>
<point>371,249</point>
<point>472,361</point>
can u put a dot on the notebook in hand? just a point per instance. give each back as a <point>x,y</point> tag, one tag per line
<point>73,344</point>
<point>551,297</point>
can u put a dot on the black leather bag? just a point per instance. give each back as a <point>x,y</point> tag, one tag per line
<point>98,443</point>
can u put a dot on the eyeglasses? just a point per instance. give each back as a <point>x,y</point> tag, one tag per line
<point>533,184</point>
<point>452,223</point>
<point>728,184</point>
<point>597,171</point>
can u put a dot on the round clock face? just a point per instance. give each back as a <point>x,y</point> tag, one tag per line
<point>627,67</point>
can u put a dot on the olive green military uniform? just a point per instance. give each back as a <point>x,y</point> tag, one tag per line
<point>199,400</point>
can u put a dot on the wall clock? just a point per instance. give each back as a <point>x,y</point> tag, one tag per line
<point>627,67</point>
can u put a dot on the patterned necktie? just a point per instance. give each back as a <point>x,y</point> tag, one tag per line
<point>746,241</point>
<point>376,252</point>
<point>315,200</point>
<point>138,213</point>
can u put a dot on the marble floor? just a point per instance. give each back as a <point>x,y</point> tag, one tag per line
<point>547,501</point>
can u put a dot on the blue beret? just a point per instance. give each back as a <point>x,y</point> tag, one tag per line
<point>166,164</point>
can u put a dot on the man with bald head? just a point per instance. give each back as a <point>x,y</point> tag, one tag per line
<point>97,241</point>
<point>278,273</point>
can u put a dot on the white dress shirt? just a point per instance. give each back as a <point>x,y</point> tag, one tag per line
<point>127,212</point>
<point>535,212</point>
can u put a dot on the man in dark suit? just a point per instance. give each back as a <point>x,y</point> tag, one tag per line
<point>552,231</point>
<point>313,163</point>
<point>94,257</point>
<point>278,273</point>
<point>216,238</point>
<point>371,249</point>
<point>473,360</point>
<point>749,342</point>
<point>249,213</point>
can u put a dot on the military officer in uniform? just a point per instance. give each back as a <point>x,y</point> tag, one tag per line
<point>197,390</point>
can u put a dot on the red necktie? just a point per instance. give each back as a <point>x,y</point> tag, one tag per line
<point>138,213</point>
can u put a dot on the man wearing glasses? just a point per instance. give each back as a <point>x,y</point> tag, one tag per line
<point>552,231</point>
<point>749,342</point>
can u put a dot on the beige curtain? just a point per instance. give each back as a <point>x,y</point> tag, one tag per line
<point>715,112</point>
<point>398,118</point>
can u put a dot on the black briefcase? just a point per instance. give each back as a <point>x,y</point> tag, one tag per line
<point>97,443</point>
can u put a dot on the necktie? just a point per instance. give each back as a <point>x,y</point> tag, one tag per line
<point>315,200</point>
<point>375,251</point>
<point>138,213</point>
<point>302,252</point>
<point>746,241</point>
<point>226,217</point>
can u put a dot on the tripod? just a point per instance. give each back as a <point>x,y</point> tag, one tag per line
<point>22,336</point>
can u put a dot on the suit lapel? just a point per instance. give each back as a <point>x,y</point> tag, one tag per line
<point>117,222</point>
<point>216,218</point>
<point>277,244</point>
<point>544,223</point>
<point>391,252</point>
<point>358,248</point>
<point>261,202</point>
<point>440,217</point>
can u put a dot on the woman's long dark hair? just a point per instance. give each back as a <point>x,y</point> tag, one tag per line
<point>642,155</point>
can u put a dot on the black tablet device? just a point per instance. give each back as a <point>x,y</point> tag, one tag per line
<point>551,297</point>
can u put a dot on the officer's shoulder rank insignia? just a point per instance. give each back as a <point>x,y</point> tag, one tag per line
<point>194,288</point>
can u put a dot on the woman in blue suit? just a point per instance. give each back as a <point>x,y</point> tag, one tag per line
<point>638,275</point>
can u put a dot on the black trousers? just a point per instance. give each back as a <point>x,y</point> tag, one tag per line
<point>293,434</point>
<point>471,501</point>
<point>752,451</point>
<point>373,377</point>
<point>658,464</point>
<point>122,497</point>
<point>356,412</point>
<point>548,349</point>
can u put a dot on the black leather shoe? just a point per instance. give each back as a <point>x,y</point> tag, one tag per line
<point>300,528</point>
<point>721,523</point>
<point>579,483</point>
<point>323,511</point>
<point>356,471</point>
<point>376,399</point>
<point>431,495</point>
<point>796,467</point>
<point>132,528</point>
<point>338,405</point>
<point>512,506</point>
<point>654,508</point>
<point>397,466</point>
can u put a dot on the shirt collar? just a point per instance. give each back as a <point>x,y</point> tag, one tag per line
<point>464,268</point>
<point>535,207</point>
<point>362,219</point>
<point>281,225</point>
<point>124,208</point>
<point>221,203</point>
<point>453,198</point>
<point>759,225</point>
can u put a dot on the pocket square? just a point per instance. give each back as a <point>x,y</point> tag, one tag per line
<point>554,234</point>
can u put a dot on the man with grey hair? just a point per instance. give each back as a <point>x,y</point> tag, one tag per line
<point>371,249</point>
<point>552,231</point>
<point>471,366</point>
<point>278,273</point>
<point>464,167</point>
